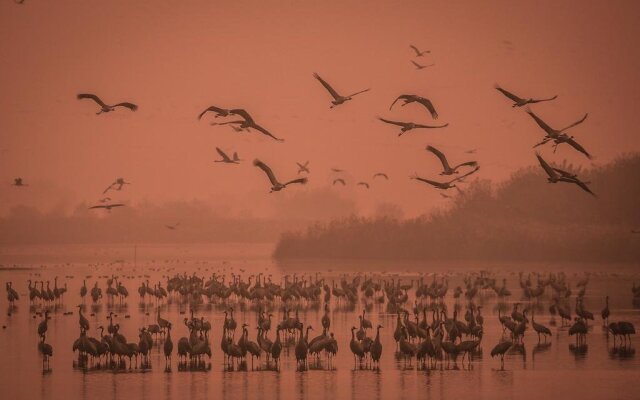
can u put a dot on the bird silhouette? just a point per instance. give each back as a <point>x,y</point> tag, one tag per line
<point>105,108</point>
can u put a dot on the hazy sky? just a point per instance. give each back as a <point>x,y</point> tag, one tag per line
<point>175,58</point>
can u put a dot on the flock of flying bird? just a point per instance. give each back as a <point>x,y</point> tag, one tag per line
<point>430,341</point>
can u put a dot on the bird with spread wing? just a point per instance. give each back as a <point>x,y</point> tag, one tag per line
<point>407,126</point>
<point>276,186</point>
<point>518,101</point>
<point>337,98</point>
<point>105,108</point>
<point>447,169</point>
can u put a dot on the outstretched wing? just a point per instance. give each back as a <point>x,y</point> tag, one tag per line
<point>541,100</point>
<point>361,91</point>
<point>417,65</point>
<point>243,113</point>
<point>109,187</point>
<point>92,207</point>
<point>224,156</point>
<point>583,186</point>
<point>542,124</point>
<point>339,180</point>
<point>468,163</point>
<point>388,121</point>
<point>575,123</point>
<point>299,180</point>
<point>429,105</point>
<point>130,106</point>
<point>401,97</point>
<point>92,97</point>
<point>431,126</point>
<point>266,132</point>
<point>114,205</point>
<point>440,156</point>
<point>382,174</point>
<point>365,184</point>
<point>267,170</point>
<point>547,168</point>
<point>430,182</point>
<point>564,173</point>
<point>510,95</point>
<point>217,110</point>
<point>415,49</point>
<point>333,93</point>
<point>578,147</point>
<point>461,177</point>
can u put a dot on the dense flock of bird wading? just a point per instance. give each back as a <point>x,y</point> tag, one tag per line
<point>426,331</point>
<point>241,121</point>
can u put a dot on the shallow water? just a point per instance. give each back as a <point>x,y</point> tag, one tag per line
<point>555,370</point>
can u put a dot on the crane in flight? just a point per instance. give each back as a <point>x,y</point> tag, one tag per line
<point>381,175</point>
<point>276,186</point>
<point>365,184</point>
<point>558,136</point>
<point>339,180</point>
<point>219,112</point>
<point>172,227</point>
<point>116,185</point>
<point>226,159</point>
<point>246,123</point>
<point>412,98</point>
<point>418,52</point>
<point>448,184</point>
<point>419,67</point>
<point>303,167</point>
<point>518,101</point>
<point>407,126</point>
<point>107,207</point>
<point>555,175</point>
<point>447,169</point>
<point>105,108</point>
<point>337,98</point>
<point>18,182</point>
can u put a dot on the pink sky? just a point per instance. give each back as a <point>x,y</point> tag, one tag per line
<point>175,58</point>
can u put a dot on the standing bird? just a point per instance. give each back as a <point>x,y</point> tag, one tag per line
<point>500,349</point>
<point>412,98</point>
<point>168,348</point>
<point>376,347</point>
<point>419,67</point>
<point>303,167</point>
<point>43,326</point>
<point>553,177</point>
<point>448,184</point>
<point>247,122</point>
<point>47,351</point>
<point>105,108</point>
<point>447,169</point>
<point>519,102</point>
<point>226,159</point>
<point>407,126</point>
<point>418,52</point>
<point>539,328</point>
<point>605,312</point>
<point>275,185</point>
<point>558,136</point>
<point>337,98</point>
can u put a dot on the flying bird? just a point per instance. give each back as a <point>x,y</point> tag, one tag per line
<point>558,136</point>
<point>555,175</point>
<point>337,98</point>
<point>105,108</point>
<point>339,180</point>
<point>220,112</point>
<point>447,169</point>
<point>107,207</point>
<point>381,174</point>
<point>519,102</point>
<point>365,184</point>
<point>303,167</point>
<point>411,98</point>
<point>173,227</point>
<point>226,158</point>
<point>337,170</point>
<point>247,122</point>
<point>407,126</point>
<point>275,185</point>
<point>419,67</point>
<point>18,182</point>
<point>418,52</point>
<point>472,151</point>
<point>117,185</point>
<point>448,184</point>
